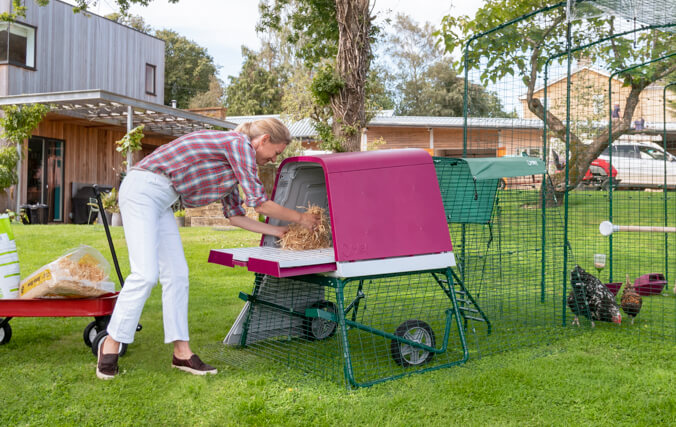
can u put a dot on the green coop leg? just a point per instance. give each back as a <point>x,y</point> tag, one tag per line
<point>347,358</point>
<point>254,293</point>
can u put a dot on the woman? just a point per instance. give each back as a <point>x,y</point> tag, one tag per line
<point>199,168</point>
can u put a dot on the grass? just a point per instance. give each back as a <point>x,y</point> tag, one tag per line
<point>47,374</point>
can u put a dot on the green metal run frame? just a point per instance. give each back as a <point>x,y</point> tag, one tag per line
<point>463,308</point>
<point>664,142</point>
<point>568,52</point>
<point>610,152</point>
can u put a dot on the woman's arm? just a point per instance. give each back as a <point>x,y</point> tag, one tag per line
<point>274,210</point>
<point>257,226</point>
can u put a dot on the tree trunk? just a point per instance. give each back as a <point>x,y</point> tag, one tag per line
<point>352,64</point>
<point>581,154</point>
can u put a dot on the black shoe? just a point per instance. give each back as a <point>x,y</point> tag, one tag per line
<point>193,365</point>
<point>106,366</point>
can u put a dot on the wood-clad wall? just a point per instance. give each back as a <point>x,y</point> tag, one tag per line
<point>447,141</point>
<point>89,153</point>
<point>80,51</point>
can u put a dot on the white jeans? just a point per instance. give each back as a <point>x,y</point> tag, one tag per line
<point>155,252</point>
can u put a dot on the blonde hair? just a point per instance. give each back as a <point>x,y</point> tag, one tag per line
<point>278,132</point>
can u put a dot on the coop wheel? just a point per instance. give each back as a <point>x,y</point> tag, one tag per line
<point>5,333</point>
<point>90,333</point>
<point>98,341</point>
<point>416,331</point>
<point>316,328</point>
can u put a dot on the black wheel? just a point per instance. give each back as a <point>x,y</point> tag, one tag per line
<point>98,340</point>
<point>316,328</point>
<point>5,333</point>
<point>416,331</point>
<point>90,333</point>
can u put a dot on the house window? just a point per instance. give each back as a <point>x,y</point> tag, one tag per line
<point>150,79</point>
<point>17,44</point>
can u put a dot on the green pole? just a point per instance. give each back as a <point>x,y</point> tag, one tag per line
<point>543,197</point>
<point>566,178</point>
<point>610,141</point>
<point>664,144</point>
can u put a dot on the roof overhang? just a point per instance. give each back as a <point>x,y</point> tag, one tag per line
<point>111,109</point>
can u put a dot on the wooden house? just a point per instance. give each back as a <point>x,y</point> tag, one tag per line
<point>101,79</point>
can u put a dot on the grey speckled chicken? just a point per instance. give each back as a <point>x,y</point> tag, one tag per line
<point>591,298</point>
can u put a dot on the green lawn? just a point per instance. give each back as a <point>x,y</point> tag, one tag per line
<point>594,377</point>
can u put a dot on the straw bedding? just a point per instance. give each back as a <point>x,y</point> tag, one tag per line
<point>299,238</point>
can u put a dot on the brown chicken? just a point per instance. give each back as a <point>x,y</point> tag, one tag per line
<point>630,301</point>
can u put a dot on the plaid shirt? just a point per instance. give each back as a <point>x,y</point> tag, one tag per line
<point>205,166</point>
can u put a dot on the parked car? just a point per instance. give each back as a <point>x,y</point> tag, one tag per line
<point>599,176</point>
<point>642,165</point>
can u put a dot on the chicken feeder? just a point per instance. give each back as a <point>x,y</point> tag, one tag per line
<point>383,301</point>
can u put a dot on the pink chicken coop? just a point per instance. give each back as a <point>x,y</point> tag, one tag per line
<point>383,301</point>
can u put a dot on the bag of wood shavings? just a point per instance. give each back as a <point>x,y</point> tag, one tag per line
<point>80,273</point>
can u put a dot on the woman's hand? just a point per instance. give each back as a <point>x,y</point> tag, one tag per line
<point>308,221</point>
<point>280,231</point>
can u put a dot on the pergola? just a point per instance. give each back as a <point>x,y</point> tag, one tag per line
<point>110,109</point>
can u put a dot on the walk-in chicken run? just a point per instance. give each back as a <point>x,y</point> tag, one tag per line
<point>382,301</point>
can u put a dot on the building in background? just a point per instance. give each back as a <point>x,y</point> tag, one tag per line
<point>97,74</point>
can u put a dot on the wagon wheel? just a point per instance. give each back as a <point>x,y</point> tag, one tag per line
<point>5,333</point>
<point>98,340</point>
<point>90,333</point>
<point>315,328</point>
<point>416,331</point>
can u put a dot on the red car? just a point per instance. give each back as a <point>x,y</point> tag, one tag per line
<point>599,176</point>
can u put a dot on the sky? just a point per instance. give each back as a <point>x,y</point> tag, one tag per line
<point>223,26</point>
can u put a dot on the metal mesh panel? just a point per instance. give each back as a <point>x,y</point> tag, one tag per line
<point>649,12</point>
<point>416,307</point>
<point>581,110</point>
<point>512,266</point>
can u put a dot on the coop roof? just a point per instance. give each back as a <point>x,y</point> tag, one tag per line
<point>504,167</point>
<point>382,204</point>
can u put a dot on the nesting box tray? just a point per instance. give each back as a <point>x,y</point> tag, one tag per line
<point>275,261</point>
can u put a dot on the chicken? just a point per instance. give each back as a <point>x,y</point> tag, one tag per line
<point>591,299</point>
<point>631,301</point>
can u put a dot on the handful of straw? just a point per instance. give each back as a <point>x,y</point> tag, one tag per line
<point>300,238</point>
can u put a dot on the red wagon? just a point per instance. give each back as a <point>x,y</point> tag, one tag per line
<point>100,307</point>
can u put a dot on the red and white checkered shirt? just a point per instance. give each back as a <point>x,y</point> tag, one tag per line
<point>206,166</point>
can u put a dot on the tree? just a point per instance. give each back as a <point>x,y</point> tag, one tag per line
<point>425,79</point>
<point>524,47</point>
<point>258,87</point>
<point>188,68</point>
<point>334,39</point>
<point>134,21</point>
<point>19,7</point>
<point>214,97</point>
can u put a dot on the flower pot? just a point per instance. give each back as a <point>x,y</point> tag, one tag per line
<point>180,221</point>
<point>109,217</point>
<point>116,219</point>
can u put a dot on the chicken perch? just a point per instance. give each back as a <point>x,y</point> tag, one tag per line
<point>591,299</point>
<point>631,301</point>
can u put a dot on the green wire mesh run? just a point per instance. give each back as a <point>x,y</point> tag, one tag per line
<point>500,258</point>
<point>607,37</point>
<point>299,323</point>
<point>647,12</point>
